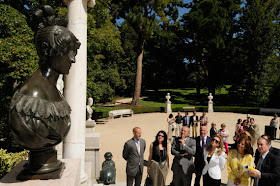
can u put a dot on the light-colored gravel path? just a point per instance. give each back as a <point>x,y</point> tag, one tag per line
<point>116,132</point>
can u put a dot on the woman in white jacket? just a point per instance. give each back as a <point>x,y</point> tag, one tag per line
<point>214,158</point>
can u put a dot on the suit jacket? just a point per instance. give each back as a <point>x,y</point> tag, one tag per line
<point>132,157</point>
<point>270,171</point>
<point>186,161</point>
<point>191,120</point>
<point>184,121</point>
<point>199,154</point>
<point>272,150</point>
<point>178,119</point>
<point>215,165</point>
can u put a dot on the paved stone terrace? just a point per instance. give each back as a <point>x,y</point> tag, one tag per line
<point>115,133</point>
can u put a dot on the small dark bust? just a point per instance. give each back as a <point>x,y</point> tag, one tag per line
<point>108,172</point>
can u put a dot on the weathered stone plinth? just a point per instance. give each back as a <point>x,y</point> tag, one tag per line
<point>92,156</point>
<point>70,176</point>
<point>90,126</point>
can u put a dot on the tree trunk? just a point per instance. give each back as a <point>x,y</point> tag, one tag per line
<point>138,80</point>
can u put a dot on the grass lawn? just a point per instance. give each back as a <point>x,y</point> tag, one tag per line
<point>184,97</point>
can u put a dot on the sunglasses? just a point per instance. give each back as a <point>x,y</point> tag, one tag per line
<point>216,141</point>
<point>160,136</point>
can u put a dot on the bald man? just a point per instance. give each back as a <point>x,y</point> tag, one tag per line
<point>133,153</point>
<point>183,149</point>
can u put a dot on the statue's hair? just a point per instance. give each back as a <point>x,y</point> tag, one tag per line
<point>52,38</point>
<point>45,17</point>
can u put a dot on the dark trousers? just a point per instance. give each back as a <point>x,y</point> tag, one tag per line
<point>137,178</point>
<point>208,181</point>
<point>182,179</point>
<point>198,172</point>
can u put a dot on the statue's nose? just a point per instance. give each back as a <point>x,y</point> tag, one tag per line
<point>72,60</point>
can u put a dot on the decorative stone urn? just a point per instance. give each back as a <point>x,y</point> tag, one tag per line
<point>168,104</point>
<point>210,103</point>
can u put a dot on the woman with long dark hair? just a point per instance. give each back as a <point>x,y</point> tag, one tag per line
<point>158,162</point>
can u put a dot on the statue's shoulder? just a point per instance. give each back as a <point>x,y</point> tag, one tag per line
<point>39,107</point>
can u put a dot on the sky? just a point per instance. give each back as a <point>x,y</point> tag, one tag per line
<point>181,12</point>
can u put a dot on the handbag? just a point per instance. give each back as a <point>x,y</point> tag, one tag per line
<point>148,181</point>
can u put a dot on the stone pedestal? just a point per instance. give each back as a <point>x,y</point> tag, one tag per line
<point>90,126</point>
<point>210,107</point>
<point>92,156</point>
<point>70,176</point>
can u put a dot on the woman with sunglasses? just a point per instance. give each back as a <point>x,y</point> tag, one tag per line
<point>237,163</point>
<point>158,162</point>
<point>214,158</point>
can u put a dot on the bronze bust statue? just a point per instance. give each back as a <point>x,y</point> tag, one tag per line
<point>39,115</point>
<point>108,172</point>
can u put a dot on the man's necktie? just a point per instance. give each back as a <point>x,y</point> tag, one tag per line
<point>259,166</point>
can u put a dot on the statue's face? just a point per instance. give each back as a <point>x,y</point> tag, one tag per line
<point>62,64</point>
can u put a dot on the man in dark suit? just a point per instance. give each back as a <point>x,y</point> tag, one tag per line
<point>183,149</point>
<point>272,150</point>
<point>186,120</point>
<point>202,141</point>
<point>133,153</point>
<point>178,120</point>
<point>194,123</point>
<point>268,166</point>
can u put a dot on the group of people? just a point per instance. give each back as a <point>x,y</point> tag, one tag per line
<point>176,123</point>
<point>204,156</point>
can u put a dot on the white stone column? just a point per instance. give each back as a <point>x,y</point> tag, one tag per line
<point>76,84</point>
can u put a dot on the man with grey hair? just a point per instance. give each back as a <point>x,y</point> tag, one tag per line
<point>272,150</point>
<point>268,167</point>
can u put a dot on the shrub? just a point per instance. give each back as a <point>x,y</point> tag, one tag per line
<point>9,160</point>
<point>102,112</point>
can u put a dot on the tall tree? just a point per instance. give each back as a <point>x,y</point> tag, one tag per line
<point>142,16</point>
<point>258,48</point>
<point>209,29</point>
<point>104,54</point>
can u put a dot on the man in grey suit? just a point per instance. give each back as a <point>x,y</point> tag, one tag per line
<point>133,153</point>
<point>183,148</point>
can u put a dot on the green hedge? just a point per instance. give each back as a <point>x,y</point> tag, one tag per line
<point>235,109</point>
<point>102,112</point>
<point>9,160</point>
